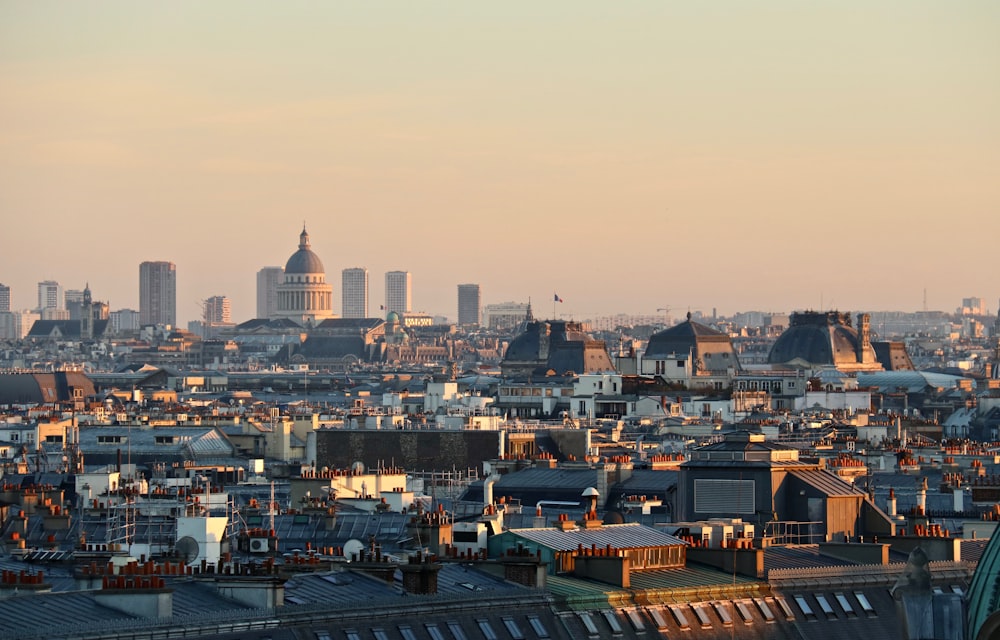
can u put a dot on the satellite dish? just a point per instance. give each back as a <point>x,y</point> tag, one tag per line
<point>353,546</point>
<point>187,548</point>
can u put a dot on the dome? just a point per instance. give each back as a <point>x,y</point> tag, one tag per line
<point>817,338</point>
<point>304,260</point>
<point>392,317</point>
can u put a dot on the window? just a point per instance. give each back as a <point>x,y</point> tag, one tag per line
<point>380,634</point>
<point>679,616</point>
<point>110,439</point>
<point>616,628</point>
<point>824,605</point>
<point>806,609</point>
<point>513,629</point>
<point>844,604</point>
<point>350,633</point>
<point>487,629</point>
<point>456,630</point>
<point>537,625</point>
<point>722,609</point>
<point>865,605</point>
<point>785,609</point>
<point>635,619</point>
<point>433,631</point>
<point>657,616</point>
<point>164,439</point>
<point>702,615</point>
<point>744,611</point>
<point>407,632</point>
<point>53,438</point>
<point>764,609</point>
<point>588,623</point>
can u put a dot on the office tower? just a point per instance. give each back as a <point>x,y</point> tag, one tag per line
<point>157,293</point>
<point>398,291</point>
<point>468,304</point>
<point>268,280</point>
<point>50,295</point>
<point>354,293</point>
<point>218,310</point>
<point>124,320</point>
<point>4,298</point>
<point>74,303</point>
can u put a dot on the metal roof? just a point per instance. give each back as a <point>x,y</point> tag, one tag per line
<point>620,536</point>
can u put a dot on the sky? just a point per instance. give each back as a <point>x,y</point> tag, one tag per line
<point>625,156</point>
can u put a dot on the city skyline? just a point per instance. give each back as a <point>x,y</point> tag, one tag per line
<point>630,157</point>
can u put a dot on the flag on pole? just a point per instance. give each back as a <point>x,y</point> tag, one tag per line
<point>556,298</point>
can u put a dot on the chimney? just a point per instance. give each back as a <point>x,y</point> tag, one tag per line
<point>523,567</point>
<point>420,575</point>
<point>143,596</point>
<point>890,504</point>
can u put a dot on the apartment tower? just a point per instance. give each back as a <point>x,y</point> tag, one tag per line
<point>468,304</point>
<point>398,291</point>
<point>354,292</point>
<point>268,280</point>
<point>157,293</point>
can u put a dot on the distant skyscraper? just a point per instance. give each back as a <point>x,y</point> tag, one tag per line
<point>354,292</point>
<point>50,295</point>
<point>398,291</point>
<point>268,280</point>
<point>4,298</point>
<point>124,320</point>
<point>74,303</point>
<point>157,293</point>
<point>468,304</point>
<point>218,310</point>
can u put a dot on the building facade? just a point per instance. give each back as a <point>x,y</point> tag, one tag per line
<point>268,280</point>
<point>50,295</point>
<point>506,315</point>
<point>468,304</point>
<point>354,292</point>
<point>158,293</point>
<point>218,310</point>
<point>124,320</point>
<point>304,296</point>
<point>4,298</point>
<point>398,291</point>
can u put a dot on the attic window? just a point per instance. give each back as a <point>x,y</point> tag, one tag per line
<point>588,623</point>
<point>164,439</point>
<point>635,619</point>
<point>110,439</point>
<point>723,611</point>
<point>865,605</point>
<point>487,629</point>
<point>456,630</point>
<point>513,628</point>
<point>616,628</point>
<point>536,624</point>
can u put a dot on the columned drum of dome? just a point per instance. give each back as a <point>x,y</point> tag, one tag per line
<point>304,295</point>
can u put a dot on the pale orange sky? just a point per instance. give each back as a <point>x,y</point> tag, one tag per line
<point>627,156</point>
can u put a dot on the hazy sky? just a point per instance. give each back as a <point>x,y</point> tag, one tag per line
<point>626,155</point>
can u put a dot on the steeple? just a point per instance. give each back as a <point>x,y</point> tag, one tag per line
<point>304,237</point>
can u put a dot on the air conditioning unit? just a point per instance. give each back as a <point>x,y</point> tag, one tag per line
<point>258,545</point>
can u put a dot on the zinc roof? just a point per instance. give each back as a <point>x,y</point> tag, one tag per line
<point>620,536</point>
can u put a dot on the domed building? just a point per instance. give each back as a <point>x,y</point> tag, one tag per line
<point>826,339</point>
<point>554,347</point>
<point>304,296</point>
<point>693,354</point>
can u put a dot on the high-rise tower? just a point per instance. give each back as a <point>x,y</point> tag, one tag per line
<point>218,310</point>
<point>398,291</point>
<point>157,293</point>
<point>354,292</point>
<point>268,280</point>
<point>50,295</point>
<point>468,304</point>
<point>4,298</point>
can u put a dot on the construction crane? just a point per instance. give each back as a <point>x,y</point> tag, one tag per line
<point>666,315</point>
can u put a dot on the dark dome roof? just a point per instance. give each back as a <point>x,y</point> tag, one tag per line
<point>304,260</point>
<point>681,337</point>
<point>817,338</point>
